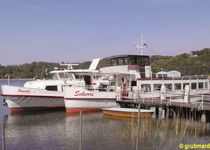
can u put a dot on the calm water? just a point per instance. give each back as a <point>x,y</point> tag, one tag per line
<point>54,130</point>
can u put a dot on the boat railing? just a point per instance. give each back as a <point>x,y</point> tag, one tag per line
<point>201,100</point>
<point>196,76</point>
<point>169,96</point>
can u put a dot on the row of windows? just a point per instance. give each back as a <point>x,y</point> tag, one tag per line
<point>130,61</point>
<point>177,86</point>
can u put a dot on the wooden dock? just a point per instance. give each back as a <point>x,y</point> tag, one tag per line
<point>200,105</point>
<point>175,105</point>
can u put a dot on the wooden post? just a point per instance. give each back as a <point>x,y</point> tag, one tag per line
<point>138,122</point>
<point>203,117</point>
<point>80,137</point>
<point>3,133</point>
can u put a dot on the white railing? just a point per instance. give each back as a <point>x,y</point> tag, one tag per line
<point>170,97</point>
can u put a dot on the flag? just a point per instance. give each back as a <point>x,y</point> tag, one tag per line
<point>145,45</point>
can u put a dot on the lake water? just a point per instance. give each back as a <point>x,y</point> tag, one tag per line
<point>53,130</point>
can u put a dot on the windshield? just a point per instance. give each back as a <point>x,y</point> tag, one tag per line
<point>66,75</point>
<point>54,76</point>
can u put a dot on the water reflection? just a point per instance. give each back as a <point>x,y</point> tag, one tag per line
<point>55,130</point>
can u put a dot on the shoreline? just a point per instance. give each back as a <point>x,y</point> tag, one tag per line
<point>19,79</point>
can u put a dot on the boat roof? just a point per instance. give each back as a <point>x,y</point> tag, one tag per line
<point>89,72</point>
<point>75,71</point>
<point>120,56</point>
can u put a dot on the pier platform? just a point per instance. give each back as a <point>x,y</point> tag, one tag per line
<point>177,106</point>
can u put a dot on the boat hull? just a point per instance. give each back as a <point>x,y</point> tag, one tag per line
<point>127,112</point>
<point>24,99</point>
<point>79,99</point>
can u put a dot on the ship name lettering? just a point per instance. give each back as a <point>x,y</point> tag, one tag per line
<point>79,93</point>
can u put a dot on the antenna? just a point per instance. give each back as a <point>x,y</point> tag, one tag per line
<point>142,45</point>
<point>69,66</point>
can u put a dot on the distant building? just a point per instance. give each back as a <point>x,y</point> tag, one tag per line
<point>170,74</point>
<point>161,74</point>
<point>193,55</point>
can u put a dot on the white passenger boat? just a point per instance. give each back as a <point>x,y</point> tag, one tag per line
<point>148,83</point>
<point>132,78</point>
<point>42,94</point>
<point>99,91</point>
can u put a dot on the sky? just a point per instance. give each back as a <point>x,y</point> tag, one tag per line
<point>80,30</point>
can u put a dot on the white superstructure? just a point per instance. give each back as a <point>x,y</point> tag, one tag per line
<point>147,84</point>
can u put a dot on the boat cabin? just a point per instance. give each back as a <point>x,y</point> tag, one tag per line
<point>139,60</point>
<point>59,79</point>
<point>128,64</point>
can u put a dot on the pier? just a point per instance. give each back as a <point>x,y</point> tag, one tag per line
<point>173,106</point>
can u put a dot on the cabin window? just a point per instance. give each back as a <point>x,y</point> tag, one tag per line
<point>103,87</point>
<point>133,83</point>
<point>125,61</point>
<point>139,61</point>
<point>157,87</point>
<point>114,62</point>
<point>177,86</point>
<point>87,80</point>
<point>70,76</point>
<point>200,85</point>
<point>120,61</point>
<point>54,76</point>
<point>52,88</point>
<point>206,85</point>
<point>132,61</point>
<point>168,87</point>
<point>146,61</point>
<point>146,88</point>
<point>63,75</point>
<point>193,85</point>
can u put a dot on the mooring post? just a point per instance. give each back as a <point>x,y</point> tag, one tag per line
<point>202,102</point>
<point>157,111</point>
<point>203,117</point>
<point>167,112</point>
<point>80,137</point>
<point>154,112</point>
<point>138,122</point>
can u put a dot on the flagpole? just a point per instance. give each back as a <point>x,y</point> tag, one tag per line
<point>142,43</point>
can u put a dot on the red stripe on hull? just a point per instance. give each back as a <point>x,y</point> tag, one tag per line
<point>41,96</point>
<point>106,99</point>
<point>73,111</point>
<point>16,110</point>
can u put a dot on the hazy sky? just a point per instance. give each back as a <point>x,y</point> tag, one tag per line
<point>80,30</point>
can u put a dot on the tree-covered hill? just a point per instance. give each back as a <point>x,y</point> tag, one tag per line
<point>33,70</point>
<point>197,62</point>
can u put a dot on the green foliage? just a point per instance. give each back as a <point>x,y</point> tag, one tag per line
<point>33,70</point>
<point>198,62</point>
